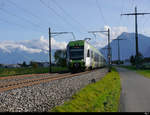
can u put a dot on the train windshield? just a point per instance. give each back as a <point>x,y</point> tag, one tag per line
<point>76,53</point>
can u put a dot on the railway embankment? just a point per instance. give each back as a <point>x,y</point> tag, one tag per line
<point>45,96</point>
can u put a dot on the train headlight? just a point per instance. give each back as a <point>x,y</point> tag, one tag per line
<point>70,60</point>
<point>82,60</point>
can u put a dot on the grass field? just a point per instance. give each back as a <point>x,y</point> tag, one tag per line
<point>21,71</point>
<point>146,73</point>
<point>102,96</point>
<point>143,72</point>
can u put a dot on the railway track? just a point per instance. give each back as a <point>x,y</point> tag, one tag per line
<point>28,80</point>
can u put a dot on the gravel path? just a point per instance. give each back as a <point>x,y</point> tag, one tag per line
<point>135,96</point>
<point>45,96</point>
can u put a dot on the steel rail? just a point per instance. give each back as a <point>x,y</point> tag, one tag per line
<point>35,81</point>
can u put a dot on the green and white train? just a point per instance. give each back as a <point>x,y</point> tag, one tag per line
<point>81,56</point>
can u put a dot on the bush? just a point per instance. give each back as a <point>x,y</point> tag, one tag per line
<point>34,65</point>
<point>132,60</point>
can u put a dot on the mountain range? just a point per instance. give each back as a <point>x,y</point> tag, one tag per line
<point>128,47</point>
<point>30,50</point>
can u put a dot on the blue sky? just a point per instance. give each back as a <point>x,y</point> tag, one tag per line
<point>30,19</point>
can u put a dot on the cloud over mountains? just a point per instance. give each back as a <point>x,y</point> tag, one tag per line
<point>12,52</point>
<point>102,38</point>
<point>42,44</point>
<point>31,46</point>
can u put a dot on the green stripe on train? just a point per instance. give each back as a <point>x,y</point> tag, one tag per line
<point>81,43</point>
<point>74,43</point>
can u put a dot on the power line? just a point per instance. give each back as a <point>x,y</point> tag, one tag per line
<point>136,33</point>
<point>50,8</point>
<point>21,18</point>
<point>5,21</point>
<point>67,14</point>
<point>26,11</point>
<point>18,17</point>
<point>23,9</point>
<point>132,4</point>
<point>119,49</point>
<point>100,10</point>
<point>18,25</point>
<point>122,7</point>
<point>146,21</point>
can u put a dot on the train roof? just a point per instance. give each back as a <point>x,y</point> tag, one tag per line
<point>77,42</point>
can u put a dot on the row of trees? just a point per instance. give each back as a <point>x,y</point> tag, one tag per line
<point>134,60</point>
<point>60,59</point>
<point>31,64</point>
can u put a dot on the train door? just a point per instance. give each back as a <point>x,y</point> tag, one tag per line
<point>87,55</point>
<point>92,61</point>
<point>67,55</point>
<point>88,61</point>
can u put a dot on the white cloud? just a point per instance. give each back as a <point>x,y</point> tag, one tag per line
<point>58,45</point>
<point>32,46</point>
<point>114,33</point>
<point>146,31</point>
<point>8,46</point>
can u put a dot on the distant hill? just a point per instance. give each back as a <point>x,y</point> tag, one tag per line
<point>20,56</point>
<point>127,46</point>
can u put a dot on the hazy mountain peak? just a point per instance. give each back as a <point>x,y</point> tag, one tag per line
<point>27,50</point>
<point>127,46</point>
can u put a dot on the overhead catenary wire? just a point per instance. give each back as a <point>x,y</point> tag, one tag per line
<point>23,9</point>
<point>5,21</point>
<point>120,22</point>
<point>19,25</point>
<point>12,14</point>
<point>21,18</point>
<point>67,14</point>
<point>122,8</point>
<point>133,3</point>
<point>57,14</point>
<point>28,12</point>
<point>100,10</point>
<point>146,21</point>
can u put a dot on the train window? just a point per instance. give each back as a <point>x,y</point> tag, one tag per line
<point>88,53</point>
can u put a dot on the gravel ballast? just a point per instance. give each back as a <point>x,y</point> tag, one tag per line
<point>45,96</point>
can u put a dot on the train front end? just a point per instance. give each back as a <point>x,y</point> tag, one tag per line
<point>75,56</point>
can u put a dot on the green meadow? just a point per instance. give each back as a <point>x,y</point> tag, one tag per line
<point>144,72</point>
<point>102,96</point>
<point>21,71</point>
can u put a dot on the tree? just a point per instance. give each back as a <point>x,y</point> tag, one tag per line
<point>60,57</point>
<point>132,60</point>
<point>34,64</point>
<point>24,64</point>
<point>1,65</point>
<point>137,60</point>
<point>140,59</point>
